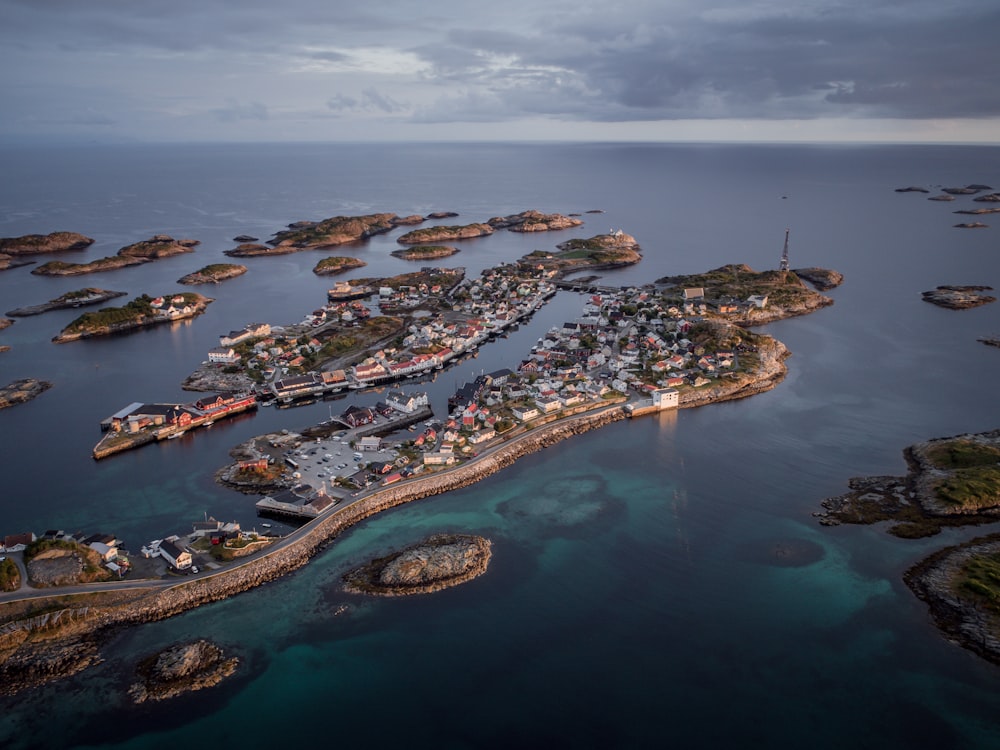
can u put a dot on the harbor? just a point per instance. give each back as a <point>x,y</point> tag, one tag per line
<point>139,424</point>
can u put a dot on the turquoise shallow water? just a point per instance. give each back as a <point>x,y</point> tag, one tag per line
<point>657,581</point>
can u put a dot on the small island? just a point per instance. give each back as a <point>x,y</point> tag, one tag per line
<point>445,233</point>
<point>424,252</point>
<point>912,189</point>
<point>959,297</point>
<point>79,298</point>
<point>22,391</point>
<point>603,251</point>
<point>37,244</point>
<point>337,264</point>
<point>533,221</point>
<point>337,230</point>
<point>439,562</point>
<point>141,312</point>
<point>966,225</point>
<point>952,481</point>
<point>979,211</point>
<point>156,247</point>
<point>213,274</point>
<point>181,669</point>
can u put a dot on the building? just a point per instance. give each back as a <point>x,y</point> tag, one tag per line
<point>406,402</point>
<point>665,398</point>
<point>372,443</point>
<point>223,355</point>
<point>178,558</point>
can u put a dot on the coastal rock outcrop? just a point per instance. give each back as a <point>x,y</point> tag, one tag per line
<point>252,250</point>
<point>424,252</point>
<point>156,247</point>
<point>533,221</point>
<point>972,225</point>
<point>213,274</point>
<point>821,278</point>
<point>444,233</point>
<point>35,244</point>
<point>337,264</point>
<point>79,298</point>
<point>21,391</point>
<point>912,189</point>
<point>337,230</point>
<point>952,481</point>
<point>959,297</point>
<point>438,562</point>
<point>181,669</point>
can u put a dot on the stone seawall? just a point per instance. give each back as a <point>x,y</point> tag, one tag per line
<point>273,565</point>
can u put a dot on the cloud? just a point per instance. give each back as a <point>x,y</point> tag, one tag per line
<point>370,101</point>
<point>452,61</point>
<point>235,111</point>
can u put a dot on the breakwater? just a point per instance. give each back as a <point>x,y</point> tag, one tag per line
<point>36,654</point>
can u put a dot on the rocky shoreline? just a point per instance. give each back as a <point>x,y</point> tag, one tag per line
<point>962,620</point>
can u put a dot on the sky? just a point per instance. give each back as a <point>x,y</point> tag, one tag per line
<point>331,70</point>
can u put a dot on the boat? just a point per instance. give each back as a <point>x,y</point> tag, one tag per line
<point>208,424</point>
<point>266,525</point>
<point>175,435</point>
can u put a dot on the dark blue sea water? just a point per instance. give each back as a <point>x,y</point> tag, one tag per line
<point>639,593</point>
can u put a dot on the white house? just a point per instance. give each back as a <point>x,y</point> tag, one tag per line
<point>406,402</point>
<point>224,355</point>
<point>178,558</point>
<point>524,414</point>
<point>666,398</point>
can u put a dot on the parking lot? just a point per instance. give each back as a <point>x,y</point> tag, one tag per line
<point>327,459</point>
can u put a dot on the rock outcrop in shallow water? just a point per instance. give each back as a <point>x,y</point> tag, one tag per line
<point>438,562</point>
<point>182,669</point>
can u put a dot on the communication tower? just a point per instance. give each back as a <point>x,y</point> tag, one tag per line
<point>783,266</point>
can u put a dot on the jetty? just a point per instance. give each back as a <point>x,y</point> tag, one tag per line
<point>139,424</point>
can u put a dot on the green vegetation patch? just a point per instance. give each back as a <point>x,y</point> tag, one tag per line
<point>980,578</point>
<point>962,454</point>
<point>975,487</point>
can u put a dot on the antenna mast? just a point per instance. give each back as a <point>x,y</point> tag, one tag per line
<point>784,255</point>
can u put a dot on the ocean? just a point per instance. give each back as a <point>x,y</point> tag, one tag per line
<point>660,581</point>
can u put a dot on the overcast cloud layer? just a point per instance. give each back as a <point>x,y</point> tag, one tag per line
<point>328,70</point>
